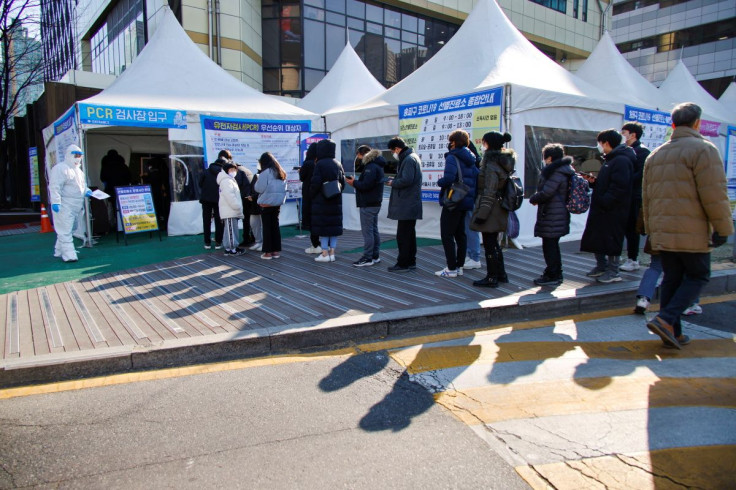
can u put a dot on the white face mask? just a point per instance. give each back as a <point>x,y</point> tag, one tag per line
<point>233,173</point>
<point>77,160</point>
<point>485,147</point>
<point>600,148</point>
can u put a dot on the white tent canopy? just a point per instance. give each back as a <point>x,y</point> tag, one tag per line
<point>728,99</point>
<point>173,73</point>
<point>347,83</point>
<point>487,51</point>
<point>608,70</point>
<point>681,85</point>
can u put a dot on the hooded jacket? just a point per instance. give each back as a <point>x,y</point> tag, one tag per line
<point>369,186</point>
<point>609,205</point>
<point>467,166</point>
<point>326,213</point>
<point>271,190</point>
<point>642,152</point>
<point>66,182</point>
<point>488,215</point>
<point>208,182</point>
<point>230,203</point>
<point>305,176</point>
<point>553,218</point>
<point>405,202</point>
<point>685,194</point>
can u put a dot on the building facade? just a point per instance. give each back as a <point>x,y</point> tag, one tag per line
<point>26,74</point>
<point>654,35</point>
<point>285,47</point>
<point>57,37</point>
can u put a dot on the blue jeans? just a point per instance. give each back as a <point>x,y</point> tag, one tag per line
<point>685,274</point>
<point>472,238</point>
<point>649,280</point>
<point>369,228</point>
<point>328,242</point>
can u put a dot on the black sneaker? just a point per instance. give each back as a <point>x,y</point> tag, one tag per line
<point>545,280</point>
<point>229,253</point>
<point>239,251</point>
<point>363,262</point>
<point>412,267</point>
<point>398,268</point>
<point>376,260</point>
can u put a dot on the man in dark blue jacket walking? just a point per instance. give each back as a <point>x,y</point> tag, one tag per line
<point>368,197</point>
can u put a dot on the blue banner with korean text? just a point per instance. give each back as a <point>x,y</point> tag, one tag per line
<point>103,115</point>
<point>425,127</point>
<point>657,125</point>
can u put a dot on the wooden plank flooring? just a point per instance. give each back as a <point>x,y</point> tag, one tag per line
<point>211,294</point>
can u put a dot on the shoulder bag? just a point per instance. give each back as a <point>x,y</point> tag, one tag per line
<point>457,192</point>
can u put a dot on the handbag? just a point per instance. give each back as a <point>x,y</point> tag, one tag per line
<point>331,189</point>
<point>512,225</point>
<point>458,191</point>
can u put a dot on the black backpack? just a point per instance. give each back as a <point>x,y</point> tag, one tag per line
<point>512,195</point>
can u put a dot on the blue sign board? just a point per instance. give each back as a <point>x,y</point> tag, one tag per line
<point>646,116</point>
<point>254,125</point>
<point>131,116</point>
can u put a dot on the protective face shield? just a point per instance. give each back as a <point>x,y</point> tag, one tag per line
<point>74,154</point>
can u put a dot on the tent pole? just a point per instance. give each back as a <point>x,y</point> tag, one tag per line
<point>507,109</point>
<point>209,26</point>
<point>87,216</point>
<point>219,37</point>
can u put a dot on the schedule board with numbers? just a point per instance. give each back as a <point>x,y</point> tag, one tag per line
<point>425,127</point>
<point>657,125</point>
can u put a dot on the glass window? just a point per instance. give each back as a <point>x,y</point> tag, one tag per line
<point>271,55</point>
<point>334,18</point>
<point>336,5</point>
<point>336,36</point>
<point>312,78</point>
<point>374,28</point>
<point>392,18</point>
<point>408,22</point>
<point>313,13</point>
<point>356,24</point>
<point>315,3</point>
<point>393,61</point>
<point>314,38</point>
<point>374,14</point>
<point>356,9</point>
<point>409,37</point>
<point>271,80</point>
<point>291,10</point>
<point>394,33</point>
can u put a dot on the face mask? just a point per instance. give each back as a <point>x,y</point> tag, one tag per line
<point>449,146</point>
<point>600,148</point>
<point>77,160</point>
<point>233,174</point>
<point>485,148</point>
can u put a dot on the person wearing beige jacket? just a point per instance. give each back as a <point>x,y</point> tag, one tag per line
<point>686,213</point>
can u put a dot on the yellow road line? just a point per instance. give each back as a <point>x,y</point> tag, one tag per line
<point>642,390</point>
<point>421,358</point>
<point>687,467</point>
<point>275,360</point>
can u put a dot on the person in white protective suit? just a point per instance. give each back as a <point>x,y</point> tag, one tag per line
<point>67,190</point>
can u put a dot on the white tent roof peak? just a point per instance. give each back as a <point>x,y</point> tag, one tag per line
<point>171,72</point>
<point>347,83</point>
<point>682,86</point>
<point>607,69</point>
<point>728,98</point>
<point>500,55</point>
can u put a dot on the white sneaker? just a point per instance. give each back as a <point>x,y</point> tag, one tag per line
<point>313,250</point>
<point>459,271</point>
<point>693,310</point>
<point>446,273</point>
<point>471,264</point>
<point>257,247</point>
<point>322,258</point>
<point>332,257</point>
<point>629,265</point>
<point>642,303</point>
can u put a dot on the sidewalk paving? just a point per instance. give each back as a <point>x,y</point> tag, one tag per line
<point>210,307</point>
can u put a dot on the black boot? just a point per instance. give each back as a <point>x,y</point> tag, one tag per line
<point>501,274</point>
<point>491,280</point>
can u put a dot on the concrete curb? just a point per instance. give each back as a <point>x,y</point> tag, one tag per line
<point>333,332</point>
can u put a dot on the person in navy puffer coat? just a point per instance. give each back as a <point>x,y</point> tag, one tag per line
<point>553,218</point>
<point>326,213</point>
<point>452,221</point>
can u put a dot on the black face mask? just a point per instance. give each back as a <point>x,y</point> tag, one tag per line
<point>449,146</point>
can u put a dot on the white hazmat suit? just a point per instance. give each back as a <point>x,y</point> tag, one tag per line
<point>67,190</point>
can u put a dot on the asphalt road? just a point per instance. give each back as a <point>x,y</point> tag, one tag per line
<point>347,422</point>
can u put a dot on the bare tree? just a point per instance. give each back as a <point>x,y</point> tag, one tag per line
<point>21,66</point>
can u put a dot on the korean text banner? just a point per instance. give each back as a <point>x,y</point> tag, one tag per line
<point>731,160</point>
<point>131,116</point>
<point>65,133</point>
<point>247,140</point>
<point>425,127</point>
<point>657,125</point>
<point>35,182</point>
<point>136,208</point>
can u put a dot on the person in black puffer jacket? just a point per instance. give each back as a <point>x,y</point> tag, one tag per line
<point>368,198</point>
<point>210,198</point>
<point>553,218</point>
<point>305,176</point>
<point>609,207</point>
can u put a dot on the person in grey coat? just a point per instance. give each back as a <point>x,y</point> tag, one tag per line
<point>271,189</point>
<point>405,203</point>
<point>553,218</point>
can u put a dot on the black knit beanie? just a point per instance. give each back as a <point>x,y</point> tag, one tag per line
<point>495,140</point>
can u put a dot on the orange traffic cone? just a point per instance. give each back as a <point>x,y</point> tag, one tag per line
<point>45,221</point>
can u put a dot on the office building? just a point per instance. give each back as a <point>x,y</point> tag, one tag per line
<point>654,35</point>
